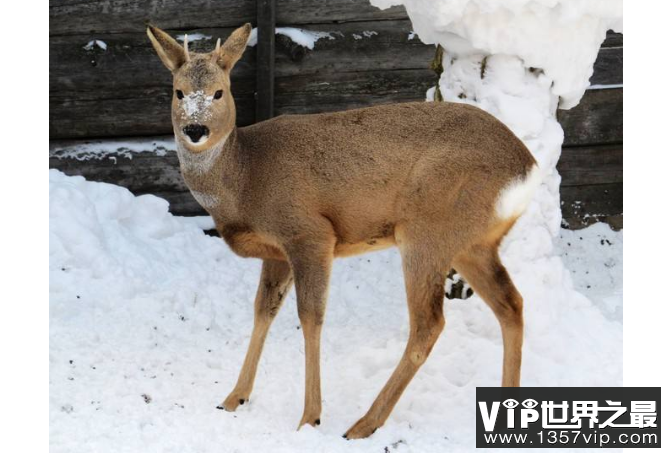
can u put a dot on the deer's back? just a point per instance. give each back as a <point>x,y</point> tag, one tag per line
<point>369,168</point>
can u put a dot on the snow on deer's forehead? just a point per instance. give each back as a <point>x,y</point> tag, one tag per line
<point>196,105</point>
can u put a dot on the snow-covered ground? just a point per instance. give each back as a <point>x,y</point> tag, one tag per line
<point>594,258</point>
<point>150,319</point>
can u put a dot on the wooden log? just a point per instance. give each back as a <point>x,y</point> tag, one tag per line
<point>333,11</point>
<point>140,112</point>
<point>596,120</point>
<point>308,94</point>
<point>137,165</point>
<point>265,59</point>
<point>129,162</point>
<point>146,111</point>
<point>129,61</point>
<point>580,166</point>
<point>121,16</point>
<point>608,67</point>
<point>118,16</point>
<point>144,166</point>
<point>584,205</point>
<point>124,90</point>
<point>613,39</point>
<point>588,193</point>
<point>354,47</point>
<point>182,203</point>
<point>76,17</point>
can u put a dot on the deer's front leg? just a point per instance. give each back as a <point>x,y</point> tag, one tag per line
<point>276,281</point>
<point>311,262</point>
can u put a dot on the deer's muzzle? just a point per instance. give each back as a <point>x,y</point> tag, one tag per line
<point>195,131</point>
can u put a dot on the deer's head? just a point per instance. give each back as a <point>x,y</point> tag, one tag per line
<point>202,108</point>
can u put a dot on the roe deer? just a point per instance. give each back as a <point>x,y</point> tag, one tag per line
<point>444,182</point>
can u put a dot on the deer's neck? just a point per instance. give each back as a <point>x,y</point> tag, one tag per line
<point>214,175</point>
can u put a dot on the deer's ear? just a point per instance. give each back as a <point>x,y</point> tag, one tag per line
<point>232,49</point>
<point>172,54</point>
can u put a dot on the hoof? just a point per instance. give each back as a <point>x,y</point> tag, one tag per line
<point>361,429</point>
<point>232,402</point>
<point>309,421</point>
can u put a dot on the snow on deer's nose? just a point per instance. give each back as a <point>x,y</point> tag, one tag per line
<point>196,106</point>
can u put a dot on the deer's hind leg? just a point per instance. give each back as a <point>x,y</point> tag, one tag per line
<point>425,264</point>
<point>483,270</point>
<point>276,280</point>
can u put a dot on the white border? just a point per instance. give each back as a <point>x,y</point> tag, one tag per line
<point>24,319</point>
<point>24,322</point>
<point>644,195</point>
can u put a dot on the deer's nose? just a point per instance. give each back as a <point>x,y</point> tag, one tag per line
<point>195,131</point>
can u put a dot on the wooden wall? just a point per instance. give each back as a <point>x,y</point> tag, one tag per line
<point>591,161</point>
<point>123,91</point>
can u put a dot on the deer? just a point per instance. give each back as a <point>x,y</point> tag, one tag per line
<point>443,182</point>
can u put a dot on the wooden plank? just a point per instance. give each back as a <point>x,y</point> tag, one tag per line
<point>142,173</point>
<point>323,93</point>
<point>129,60</point>
<point>124,89</point>
<point>580,166</point>
<point>82,106</point>
<point>596,120</point>
<point>355,46</point>
<point>608,67</point>
<point>156,170</point>
<point>139,112</point>
<point>182,203</point>
<point>328,11</point>
<point>584,205</point>
<point>265,59</point>
<point>122,16</point>
<point>385,45</point>
<point>146,111</point>
<point>613,39</point>
<point>141,165</point>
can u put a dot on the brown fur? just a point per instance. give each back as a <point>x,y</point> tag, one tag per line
<point>299,190</point>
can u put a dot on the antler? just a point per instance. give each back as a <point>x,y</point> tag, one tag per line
<point>216,52</point>
<point>187,52</point>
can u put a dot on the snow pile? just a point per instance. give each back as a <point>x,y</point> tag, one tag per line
<point>150,320</point>
<point>562,37</point>
<point>305,38</point>
<point>594,258</point>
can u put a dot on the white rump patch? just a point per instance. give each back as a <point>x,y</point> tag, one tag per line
<point>515,197</point>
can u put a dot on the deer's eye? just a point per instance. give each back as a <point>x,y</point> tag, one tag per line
<point>179,94</point>
<point>218,94</point>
